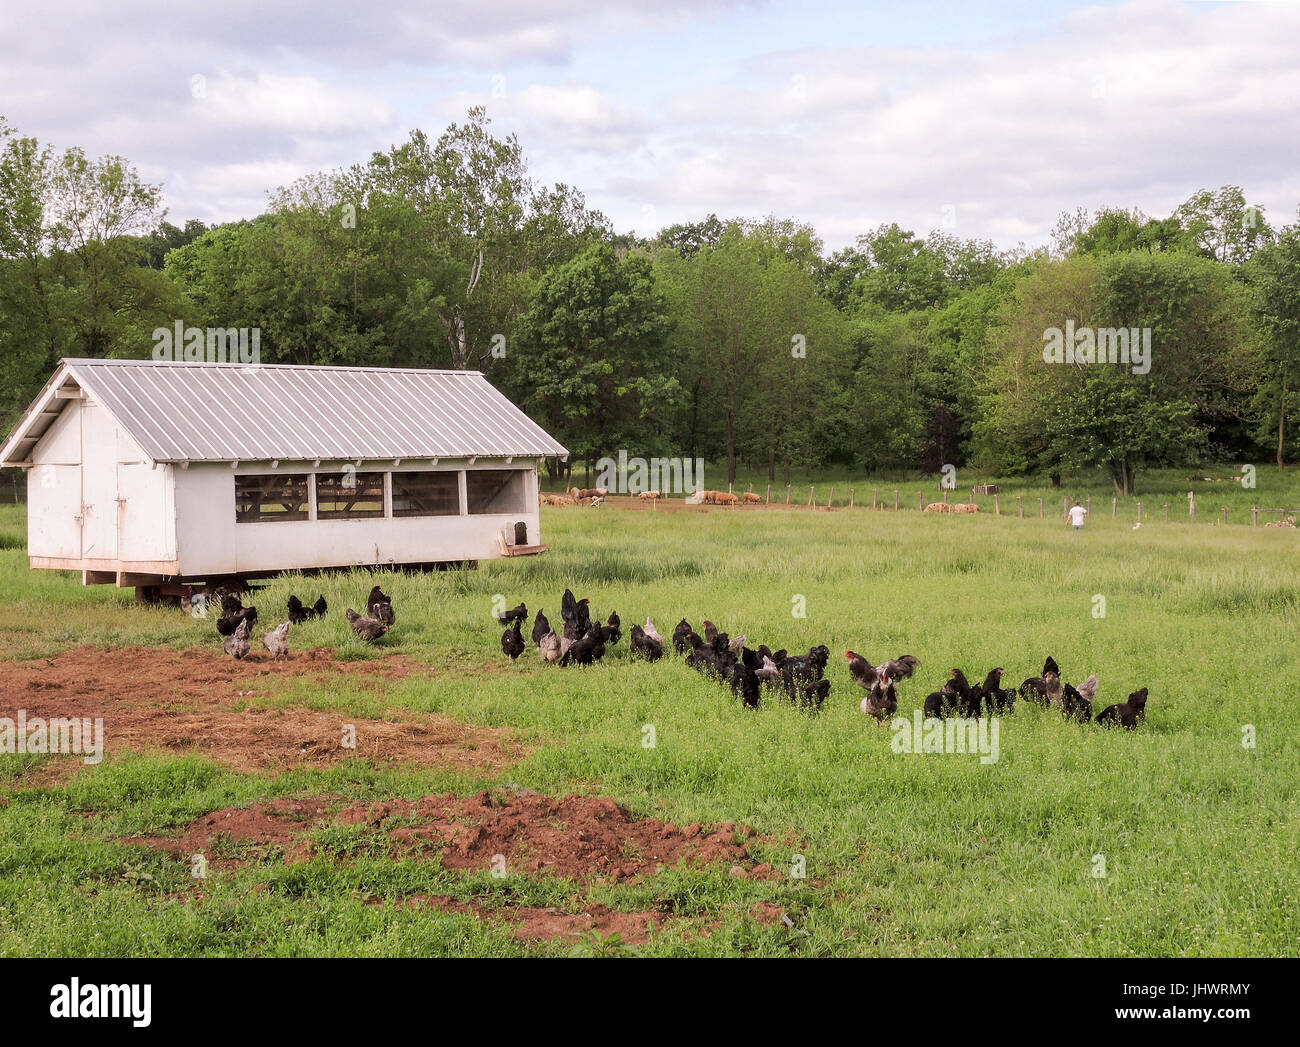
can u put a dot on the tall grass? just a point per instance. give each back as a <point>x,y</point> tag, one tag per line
<point>905,854</point>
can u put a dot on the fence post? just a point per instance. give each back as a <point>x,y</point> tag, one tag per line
<point>1065,505</point>
<point>1139,512</point>
<point>874,500</point>
<point>811,489</point>
<point>787,494</point>
<point>769,495</point>
<point>997,508</point>
<point>1191,505</point>
<point>1040,508</point>
<point>729,490</point>
<point>1114,508</point>
<point>853,492</point>
<point>1254,516</point>
<point>1166,512</point>
<point>1088,505</point>
<point>945,496</point>
<point>920,500</point>
<point>1225,514</point>
<point>1021,499</point>
<point>895,501</point>
<point>831,498</point>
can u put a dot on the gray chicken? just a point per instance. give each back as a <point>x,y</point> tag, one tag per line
<point>549,646</point>
<point>277,641</point>
<point>368,629</point>
<point>237,642</point>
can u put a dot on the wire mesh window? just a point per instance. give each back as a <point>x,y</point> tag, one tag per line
<point>426,494</point>
<point>349,495</point>
<point>495,491</point>
<point>270,498</point>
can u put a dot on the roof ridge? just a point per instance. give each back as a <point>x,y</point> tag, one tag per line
<point>135,361</point>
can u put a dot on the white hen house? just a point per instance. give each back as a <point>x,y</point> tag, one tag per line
<point>141,473</point>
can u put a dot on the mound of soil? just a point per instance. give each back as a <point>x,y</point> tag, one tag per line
<point>582,837</point>
<point>193,701</point>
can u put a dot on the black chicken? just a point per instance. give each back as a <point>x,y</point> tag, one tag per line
<point>1128,714</point>
<point>681,637</point>
<point>997,699</point>
<point>575,614</point>
<point>815,693</point>
<point>228,623</point>
<point>879,680</point>
<point>512,640</point>
<point>540,628</point>
<point>645,645</point>
<point>515,614</point>
<point>590,648</point>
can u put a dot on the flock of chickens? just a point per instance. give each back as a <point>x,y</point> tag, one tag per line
<point>748,672</point>
<point>801,678</point>
<point>237,621</point>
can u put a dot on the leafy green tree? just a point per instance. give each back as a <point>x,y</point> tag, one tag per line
<point>1275,307</point>
<point>1224,225</point>
<point>593,345</point>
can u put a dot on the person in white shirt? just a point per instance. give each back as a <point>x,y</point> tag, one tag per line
<point>1076,515</point>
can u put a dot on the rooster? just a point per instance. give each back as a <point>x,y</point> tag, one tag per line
<point>879,680</point>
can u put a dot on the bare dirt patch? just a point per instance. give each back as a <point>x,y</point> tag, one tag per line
<point>581,837</point>
<point>197,701</point>
<point>532,924</point>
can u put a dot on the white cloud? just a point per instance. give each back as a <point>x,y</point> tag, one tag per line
<point>1137,105</point>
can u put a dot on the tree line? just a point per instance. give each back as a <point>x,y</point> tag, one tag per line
<point>741,341</point>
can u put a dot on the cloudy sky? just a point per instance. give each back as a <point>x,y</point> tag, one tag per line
<point>986,119</point>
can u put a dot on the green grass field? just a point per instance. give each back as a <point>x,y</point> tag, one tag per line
<point>905,854</point>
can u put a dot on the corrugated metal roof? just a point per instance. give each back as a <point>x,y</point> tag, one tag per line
<point>222,412</point>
